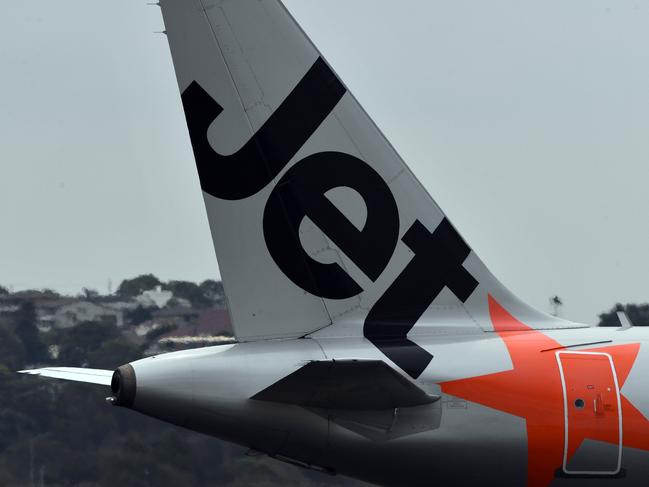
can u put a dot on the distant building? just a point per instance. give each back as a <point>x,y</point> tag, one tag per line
<point>72,314</point>
<point>182,302</point>
<point>206,323</point>
<point>46,303</point>
<point>112,302</point>
<point>214,321</point>
<point>154,298</point>
<point>46,311</point>
<point>177,316</point>
<point>8,308</point>
<point>145,328</point>
<point>210,326</point>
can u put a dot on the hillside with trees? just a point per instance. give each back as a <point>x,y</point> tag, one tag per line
<point>57,434</point>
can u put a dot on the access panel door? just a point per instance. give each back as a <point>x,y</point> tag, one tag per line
<point>592,414</point>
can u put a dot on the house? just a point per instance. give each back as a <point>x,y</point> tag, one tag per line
<point>46,311</point>
<point>211,326</point>
<point>176,315</point>
<point>8,308</point>
<point>116,303</point>
<point>211,322</point>
<point>214,321</point>
<point>154,298</point>
<point>70,315</point>
<point>45,303</point>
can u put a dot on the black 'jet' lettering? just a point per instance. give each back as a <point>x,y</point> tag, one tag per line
<point>437,263</point>
<point>301,193</point>
<point>265,154</point>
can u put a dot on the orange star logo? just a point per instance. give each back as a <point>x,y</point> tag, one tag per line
<point>533,390</point>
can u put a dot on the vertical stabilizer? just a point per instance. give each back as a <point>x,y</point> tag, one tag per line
<point>315,218</point>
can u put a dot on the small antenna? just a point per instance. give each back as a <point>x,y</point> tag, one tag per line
<point>556,302</point>
<point>624,321</point>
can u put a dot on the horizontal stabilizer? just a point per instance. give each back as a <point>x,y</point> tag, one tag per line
<point>77,374</point>
<point>367,385</point>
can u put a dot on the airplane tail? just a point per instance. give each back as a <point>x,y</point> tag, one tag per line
<point>315,218</point>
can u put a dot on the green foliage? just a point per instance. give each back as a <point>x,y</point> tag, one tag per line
<point>129,288</point>
<point>78,343</point>
<point>138,315</point>
<point>27,332</point>
<point>213,290</point>
<point>638,315</point>
<point>189,291</point>
<point>113,353</point>
<point>89,293</point>
<point>37,293</point>
<point>3,291</point>
<point>12,351</point>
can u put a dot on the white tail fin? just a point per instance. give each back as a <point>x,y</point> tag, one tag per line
<point>315,218</point>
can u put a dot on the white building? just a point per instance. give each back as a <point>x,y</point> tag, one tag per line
<point>75,313</point>
<point>154,298</point>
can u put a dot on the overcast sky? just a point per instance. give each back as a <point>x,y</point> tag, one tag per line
<point>527,121</point>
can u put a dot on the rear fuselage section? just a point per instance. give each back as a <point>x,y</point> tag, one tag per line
<point>517,407</point>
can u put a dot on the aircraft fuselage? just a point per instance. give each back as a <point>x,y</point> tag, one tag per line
<point>537,407</point>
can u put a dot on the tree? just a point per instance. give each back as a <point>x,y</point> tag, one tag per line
<point>50,293</point>
<point>89,294</point>
<point>113,353</point>
<point>3,291</point>
<point>79,342</point>
<point>12,352</point>
<point>36,294</point>
<point>189,291</point>
<point>213,290</point>
<point>129,288</point>
<point>26,330</point>
<point>138,315</point>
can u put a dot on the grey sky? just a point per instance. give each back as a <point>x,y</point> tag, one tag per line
<point>527,121</point>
